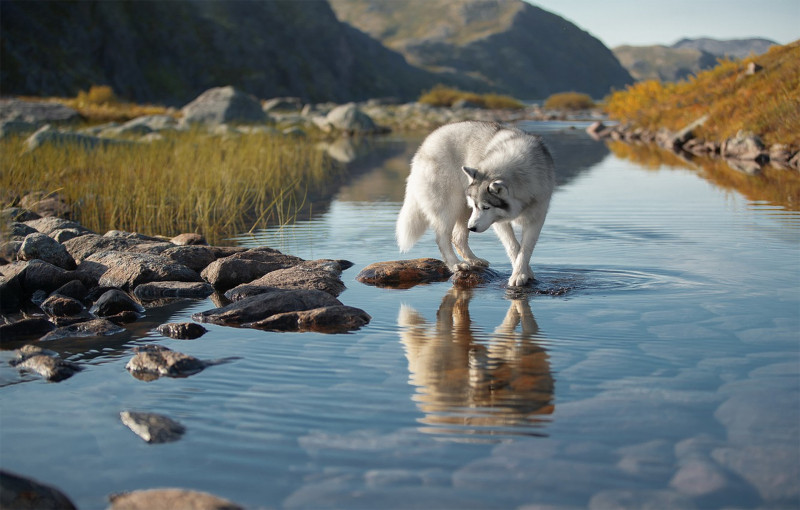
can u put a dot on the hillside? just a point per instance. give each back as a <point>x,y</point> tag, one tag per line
<point>169,52</point>
<point>765,102</point>
<point>510,46</point>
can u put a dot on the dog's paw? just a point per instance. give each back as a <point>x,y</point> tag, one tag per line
<point>519,279</point>
<point>478,263</point>
<point>460,266</point>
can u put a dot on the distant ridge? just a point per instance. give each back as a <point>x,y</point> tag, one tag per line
<point>732,48</point>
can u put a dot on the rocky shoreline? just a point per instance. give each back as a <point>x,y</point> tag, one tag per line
<point>744,152</point>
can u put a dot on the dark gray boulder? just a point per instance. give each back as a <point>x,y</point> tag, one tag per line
<point>19,231</point>
<point>18,492</point>
<point>152,427</point>
<point>125,270</point>
<point>328,319</point>
<point>92,328</point>
<point>313,274</point>
<point>246,266</point>
<point>223,105</point>
<point>41,275</point>
<point>57,305</point>
<point>43,247</point>
<point>24,330</point>
<point>153,291</point>
<point>114,302</point>
<point>264,305</point>
<point>44,362</point>
<point>86,245</point>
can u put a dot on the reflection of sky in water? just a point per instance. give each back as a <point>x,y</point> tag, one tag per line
<point>667,374</point>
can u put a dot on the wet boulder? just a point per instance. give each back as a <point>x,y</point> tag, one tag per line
<point>153,361</point>
<point>244,267</point>
<point>314,274</point>
<point>114,302</point>
<point>264,305</point>
<point>152,427</point>
<point>223,105</point>
<point>153,291</point>
<point>91,328</point>
<point>43,247</point>
<point>182,330</point>
<point>24,330</point>
<point>404,274</point>
<point>127,270</point>
<point>18,492</point>
<point>328,319</point>
<point>57,305</point>
<point>169,498</point>
<point>44,362</point>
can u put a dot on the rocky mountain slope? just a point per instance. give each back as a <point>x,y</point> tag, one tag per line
<point>684,58</point>
<point>508,45</point>
<point>169,52</point>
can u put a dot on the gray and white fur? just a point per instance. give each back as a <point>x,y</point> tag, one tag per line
<point>468,176</point>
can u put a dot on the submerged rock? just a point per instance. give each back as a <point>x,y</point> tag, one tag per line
<point>403,274</point>
<point>152,427</point>
<point>44,362</point>
<point>18,492</point>
<point>96,327</point>
<point>168,499</point>
<point>153,361</point>
<point>328,319</point>
<point>266,304</point>
<point>182,330</point>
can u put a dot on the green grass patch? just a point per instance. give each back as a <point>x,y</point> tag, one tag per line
<point>189,182</point>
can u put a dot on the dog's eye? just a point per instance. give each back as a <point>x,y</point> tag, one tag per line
<point>485,207</point>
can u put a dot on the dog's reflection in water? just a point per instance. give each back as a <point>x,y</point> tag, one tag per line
<point>472,383</point>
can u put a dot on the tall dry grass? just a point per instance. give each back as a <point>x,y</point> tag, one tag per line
<point>189,182</point>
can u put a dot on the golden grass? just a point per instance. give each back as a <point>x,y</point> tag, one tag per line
<point>441,95</point>
<point>189,182</point>
<point>766,103</point>
<point>569,101</point>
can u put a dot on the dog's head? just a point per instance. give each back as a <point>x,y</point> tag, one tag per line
<point>488,199</point>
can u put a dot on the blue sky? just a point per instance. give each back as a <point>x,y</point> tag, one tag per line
<point>645,22</point>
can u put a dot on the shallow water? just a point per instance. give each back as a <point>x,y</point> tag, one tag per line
<point>655,362</point>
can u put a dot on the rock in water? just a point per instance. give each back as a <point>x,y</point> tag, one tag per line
<point>20,492</point>
<point>44,362</point>
<point>154,361</point>
<point>152,427</point>
<point>404,273</point>
<point>157,499</point>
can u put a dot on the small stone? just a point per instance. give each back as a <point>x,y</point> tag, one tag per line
<point>153,361</point>
<point>114,302</point>
<point>189,239</point>
<point>44,362</point>
<point>62,306</point>
<point>152,427</point>
<point>96,327</point>
<point>182,330</point>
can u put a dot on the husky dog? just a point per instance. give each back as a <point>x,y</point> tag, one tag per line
<point>470,175</point>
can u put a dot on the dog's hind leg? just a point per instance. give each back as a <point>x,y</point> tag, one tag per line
<point>461,241</point>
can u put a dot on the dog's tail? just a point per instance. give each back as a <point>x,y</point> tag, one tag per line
<point>411,224</point>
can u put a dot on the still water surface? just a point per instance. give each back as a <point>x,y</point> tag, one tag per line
<point>664,372</point>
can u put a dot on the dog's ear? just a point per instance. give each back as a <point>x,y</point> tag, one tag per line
<point>499,189</point>
<point>472,173</point>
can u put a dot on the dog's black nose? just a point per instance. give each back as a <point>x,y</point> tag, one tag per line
<point>473,229</point>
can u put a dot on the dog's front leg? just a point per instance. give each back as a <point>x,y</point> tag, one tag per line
<point>521,273</point>
<point>506,235</point>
